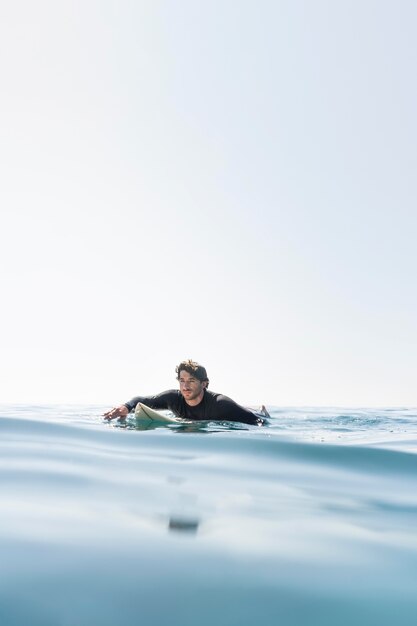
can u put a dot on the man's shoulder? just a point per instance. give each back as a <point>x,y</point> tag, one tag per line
<point>220,406</point>
<point>218,397</point>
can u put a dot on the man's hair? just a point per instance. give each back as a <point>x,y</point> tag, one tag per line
<point>197,370</point>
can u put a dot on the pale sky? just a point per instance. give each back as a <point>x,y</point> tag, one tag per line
<point>229,181</point>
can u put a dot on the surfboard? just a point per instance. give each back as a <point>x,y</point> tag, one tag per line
<point>145,415</point>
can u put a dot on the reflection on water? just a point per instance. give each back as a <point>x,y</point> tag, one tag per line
<point>182,426</point>
<point>183,525</point>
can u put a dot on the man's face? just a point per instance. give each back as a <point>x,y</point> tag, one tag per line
<point>190,387</point>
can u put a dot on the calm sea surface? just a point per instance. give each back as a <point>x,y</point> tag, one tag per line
<point>311,520</point>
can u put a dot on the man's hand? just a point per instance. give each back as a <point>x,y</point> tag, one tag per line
<point>119,411</point>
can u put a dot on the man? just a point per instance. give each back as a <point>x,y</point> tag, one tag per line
<point>193,400</point>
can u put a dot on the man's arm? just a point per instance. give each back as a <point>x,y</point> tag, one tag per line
<point>119,411</point>
<point>231,411</point>
<point>164,400</point>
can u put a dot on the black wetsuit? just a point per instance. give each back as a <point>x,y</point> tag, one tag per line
<point>213,406</point>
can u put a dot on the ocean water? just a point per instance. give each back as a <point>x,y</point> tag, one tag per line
<point>310,520</point>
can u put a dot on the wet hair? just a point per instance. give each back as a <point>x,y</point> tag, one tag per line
<point>193,368</point>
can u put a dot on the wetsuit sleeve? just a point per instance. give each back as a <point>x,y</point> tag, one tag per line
<point>229,410</point>
<point>165,400</point>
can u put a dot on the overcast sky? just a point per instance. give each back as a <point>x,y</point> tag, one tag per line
<point>231,181</point>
